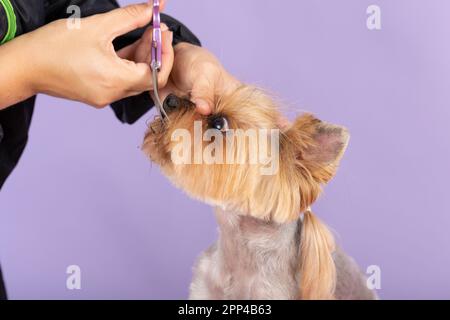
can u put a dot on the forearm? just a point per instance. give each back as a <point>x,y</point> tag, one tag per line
<point>16,74</point>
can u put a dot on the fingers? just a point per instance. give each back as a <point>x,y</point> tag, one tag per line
<point>141,52</point>
<point>129,51</point>
<point>162,4</point>
<point>137,77</point>
<point>126,19</point>
<point>203,107</point>
<point>202,95</point>
<point>144,52</point>
<point>211,85</point>
<point>139,74</point>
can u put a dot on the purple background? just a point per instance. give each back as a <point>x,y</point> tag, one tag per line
<point>84,194</point>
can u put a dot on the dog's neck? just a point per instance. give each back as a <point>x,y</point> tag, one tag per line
<point>250,245</point>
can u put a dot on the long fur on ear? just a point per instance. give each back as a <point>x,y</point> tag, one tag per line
<point>317,268</point>
<point>317,148</point>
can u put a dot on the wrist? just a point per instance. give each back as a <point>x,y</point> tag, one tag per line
<point>26,67</point>
<point>32,60</point>
<point>15,78</point>
<point>18,65</point>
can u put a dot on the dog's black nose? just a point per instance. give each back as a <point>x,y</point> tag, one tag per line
<point>171,103</point>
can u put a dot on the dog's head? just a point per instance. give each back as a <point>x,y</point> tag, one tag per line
<point>242,158</point>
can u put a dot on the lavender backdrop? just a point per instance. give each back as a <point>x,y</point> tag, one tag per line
<point>84,194</point>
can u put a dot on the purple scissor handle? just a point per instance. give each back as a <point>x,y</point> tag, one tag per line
<point>157,37</point>
<point>156,61</point>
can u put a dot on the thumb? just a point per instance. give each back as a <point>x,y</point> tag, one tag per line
<point>202,95</point>
<point>202,106</point>
<point>126,19</point>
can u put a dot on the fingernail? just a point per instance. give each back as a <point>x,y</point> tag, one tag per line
<point>202,106</point>
<point>164,27</point>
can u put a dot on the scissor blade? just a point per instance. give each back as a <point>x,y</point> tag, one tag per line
<point>157,101</point>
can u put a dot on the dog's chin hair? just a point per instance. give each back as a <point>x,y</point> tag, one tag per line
<point>204,199</point>
<point>215,203</point>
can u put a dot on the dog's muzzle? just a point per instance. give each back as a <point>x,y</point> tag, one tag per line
<point>173,103</point>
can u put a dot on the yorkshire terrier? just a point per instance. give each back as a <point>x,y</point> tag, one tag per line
<point>271,246</point>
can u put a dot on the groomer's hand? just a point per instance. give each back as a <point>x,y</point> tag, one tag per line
<point>197,72</point>
<point>80,64</point>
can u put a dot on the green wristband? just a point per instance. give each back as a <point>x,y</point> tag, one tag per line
<point>11,17</point>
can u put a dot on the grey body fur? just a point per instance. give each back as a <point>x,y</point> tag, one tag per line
<point>254,259</point>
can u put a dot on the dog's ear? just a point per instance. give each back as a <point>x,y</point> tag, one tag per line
<point>310,151</point>
<point>317,145</point>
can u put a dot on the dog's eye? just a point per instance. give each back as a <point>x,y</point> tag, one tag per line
<point>219,123</point>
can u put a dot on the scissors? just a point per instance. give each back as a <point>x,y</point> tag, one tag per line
<point>156,62</point>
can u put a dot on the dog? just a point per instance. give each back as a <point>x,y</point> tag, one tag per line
<point>271,245</point>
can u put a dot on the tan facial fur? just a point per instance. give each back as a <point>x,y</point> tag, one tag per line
<point>309,154</point>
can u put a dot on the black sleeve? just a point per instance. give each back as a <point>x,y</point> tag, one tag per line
<point>57,9</point>
<point>3,23</point>
<point>130,109</point>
